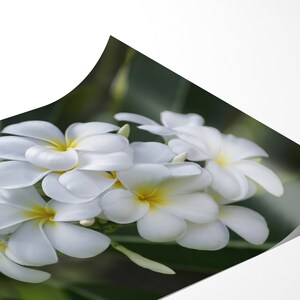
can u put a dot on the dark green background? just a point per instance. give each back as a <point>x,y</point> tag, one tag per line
<point>125,80</point>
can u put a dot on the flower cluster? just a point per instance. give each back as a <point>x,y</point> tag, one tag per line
<point>54,185</point>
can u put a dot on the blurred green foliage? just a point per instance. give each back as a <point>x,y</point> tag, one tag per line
<point>125,80</point>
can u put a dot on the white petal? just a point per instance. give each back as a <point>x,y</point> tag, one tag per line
<point>104,162</point>
<point>262,175</point>
<point>15,271</point>
<point>86,184</point>
<point>158,129</point>
<point>52,159</point>
<point>75,212</point>
<point>184,169</point>
<point>202,135</point>
<point>29,244</point>
<point>145,177</point>
<point>8,230</point>
<point>240,148</point>
<point>187,184</point>
<point>210,236</point>
<point>159,226</point>
<point>78,131</point>
<point>151,152</point>
<point>123,207</point>
<point>55,190</point>
<point>251,192</point>
<point>194,153</point>
<point>196,207</point>
<point>17,174</point>
<point>76,241</point>
<point>14,147</point>
<point>104,143</point>
<point>205,179</point>
<point>172,119</point>
<point>229,182</point>
<point>36,129</point>
<point>10,216</point>
<point>23,198</point>
<point>134,118</point>
<point>12,257</point>
<point>245,222</point>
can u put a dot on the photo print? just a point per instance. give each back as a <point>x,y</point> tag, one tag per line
<point>136,184</point>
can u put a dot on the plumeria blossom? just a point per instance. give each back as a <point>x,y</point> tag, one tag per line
<point>159,202</point>
<point>247,223</point>
<point>230,161</point>
<point>74,165</point>
<point>228,158</point>
<point>43,227</point>
<point>158,153</point>
<point>170,122</point>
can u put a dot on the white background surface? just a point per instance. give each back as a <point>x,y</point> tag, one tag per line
<point>244,52</point>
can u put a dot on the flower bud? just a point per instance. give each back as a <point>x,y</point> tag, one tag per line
<point>181,157</point>
<point>125,130</point>
<point>87,222</point>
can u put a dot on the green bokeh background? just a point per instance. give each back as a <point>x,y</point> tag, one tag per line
<point>125,80</point>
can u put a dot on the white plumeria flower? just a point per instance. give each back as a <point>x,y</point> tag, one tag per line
<point>158,153</point>
<point>74,165</point>
<point>159,202</point>
<point>43,227</point>
<point>16,271</point>
<point>170,121</point>
<point>229,160</point>
<point>247,223</point>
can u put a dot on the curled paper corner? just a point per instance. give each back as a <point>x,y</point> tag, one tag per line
<point>52,80</point>
<point>295,233</point>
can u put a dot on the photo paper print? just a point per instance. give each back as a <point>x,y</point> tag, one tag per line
<point>136,184</point>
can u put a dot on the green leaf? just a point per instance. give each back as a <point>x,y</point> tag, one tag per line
<point>39,291</point>
<point>143,261</point>
<point>111,292</point>
<point>7,291</point>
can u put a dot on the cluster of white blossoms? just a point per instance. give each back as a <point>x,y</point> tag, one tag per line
<point>53,186</point>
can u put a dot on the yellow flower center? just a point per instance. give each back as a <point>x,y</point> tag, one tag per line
<point>113,175</point>
<point>222,160</point>
<point>40,212</point>
<point>59,146</point>
<point>154,198</point>
<point>2,246</point>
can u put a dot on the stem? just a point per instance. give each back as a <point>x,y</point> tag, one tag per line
<point>231,244</point>
<point>107,227</point>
